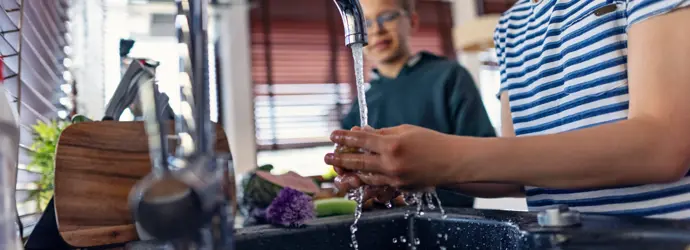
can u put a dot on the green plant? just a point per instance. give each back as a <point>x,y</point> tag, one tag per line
<point>45,137</point>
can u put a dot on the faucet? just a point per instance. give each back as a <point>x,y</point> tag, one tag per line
<point>353,22</point>
<point>186,199</point>
<point>187,196</point>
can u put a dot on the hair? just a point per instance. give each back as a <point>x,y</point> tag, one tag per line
<point>407,5</point>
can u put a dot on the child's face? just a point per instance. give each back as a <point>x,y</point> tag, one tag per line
<point>389,28</point>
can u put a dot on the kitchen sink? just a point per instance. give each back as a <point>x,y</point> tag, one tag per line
<point>387,230</point>
<point>402,229</point>
<point>468,229</point>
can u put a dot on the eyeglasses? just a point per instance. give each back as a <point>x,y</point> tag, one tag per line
<point>382,18</point>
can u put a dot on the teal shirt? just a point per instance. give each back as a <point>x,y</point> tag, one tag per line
<point>431,92</point>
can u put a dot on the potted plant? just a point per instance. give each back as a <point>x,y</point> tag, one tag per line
<point>45,137</point>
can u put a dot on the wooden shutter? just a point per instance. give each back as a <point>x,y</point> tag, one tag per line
<point>302,72</point>
<point>33,38</point>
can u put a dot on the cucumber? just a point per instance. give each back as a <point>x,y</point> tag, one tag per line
<point>334,206</point>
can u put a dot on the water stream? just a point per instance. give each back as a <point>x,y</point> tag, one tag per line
<point>359,77</point>
<point>358,194</point>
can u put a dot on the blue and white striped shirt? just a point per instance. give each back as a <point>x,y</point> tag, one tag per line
<point>564,67</point>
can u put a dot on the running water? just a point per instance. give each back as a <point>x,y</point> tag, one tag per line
<point>359,77</point>
<point>358,194</point>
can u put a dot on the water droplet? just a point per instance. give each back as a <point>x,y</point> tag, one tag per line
<point>442,248</point>
<point>445,236</point>
<point>402,239</point>
<point>421,212</point>
<point>389,204</point>
<point>395,240</point>
<point>416,241</point>
<point>439,235</point>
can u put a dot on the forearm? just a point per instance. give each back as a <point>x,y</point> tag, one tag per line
<point>487,190</point>
<point>629,152</point>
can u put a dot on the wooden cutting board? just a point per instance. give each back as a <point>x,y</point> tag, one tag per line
<point>96,165</point>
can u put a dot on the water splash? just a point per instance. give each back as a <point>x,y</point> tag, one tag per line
<point>418,199</point>
<point>440,207</point>
<point>358,196</point>
<point>409,198</point>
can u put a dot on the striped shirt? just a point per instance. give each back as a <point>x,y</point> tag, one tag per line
<point>563,65</point>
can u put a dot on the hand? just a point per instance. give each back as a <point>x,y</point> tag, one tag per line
<point>406,156</point>
<point>348,180</point>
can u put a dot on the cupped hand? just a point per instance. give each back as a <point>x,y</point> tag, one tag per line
<point>349,180</point>
<point>403,157</point>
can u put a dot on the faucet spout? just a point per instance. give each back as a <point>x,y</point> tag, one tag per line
<point>353,21</point>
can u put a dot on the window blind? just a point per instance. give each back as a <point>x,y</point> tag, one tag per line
<point>32,46</point>
<point>303,74</point>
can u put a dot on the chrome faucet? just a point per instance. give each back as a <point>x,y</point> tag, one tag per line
<point>353,21</point>
<point>187,197</point>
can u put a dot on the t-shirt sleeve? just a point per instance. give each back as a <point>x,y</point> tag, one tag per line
<point>641,10</point>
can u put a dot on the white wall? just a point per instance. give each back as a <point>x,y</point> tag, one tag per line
<point>87,32</point>
<point>238,92</point>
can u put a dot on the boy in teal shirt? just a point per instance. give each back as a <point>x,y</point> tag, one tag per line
<point>423,89</point>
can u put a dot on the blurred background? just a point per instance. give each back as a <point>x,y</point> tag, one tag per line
<point>291,77</point>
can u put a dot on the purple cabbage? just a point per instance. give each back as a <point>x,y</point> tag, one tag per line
<point>291,208</point>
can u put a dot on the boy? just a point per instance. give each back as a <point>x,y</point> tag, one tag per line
<point>422,89</point>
